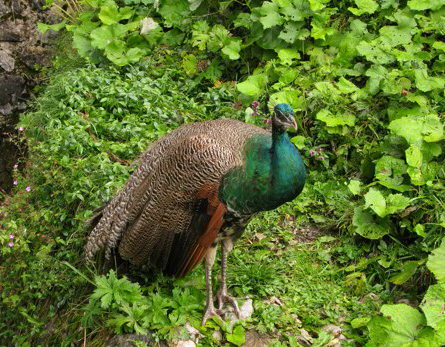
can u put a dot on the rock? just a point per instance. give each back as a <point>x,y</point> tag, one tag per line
<point>217,335</point>
<point>246,310</point>
<point>182,343</point>
<point>6,61</point>
<point>128,341</point>
<point>255,339</point>
<point>12,86</point>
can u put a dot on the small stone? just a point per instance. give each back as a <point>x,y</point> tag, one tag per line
<point>6,61</point>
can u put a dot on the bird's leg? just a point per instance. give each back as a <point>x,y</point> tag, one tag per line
<point>210,308</point>
<point>223,298</point>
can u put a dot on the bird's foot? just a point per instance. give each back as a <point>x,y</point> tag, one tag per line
<point>223,298</point>
<point>212,311</point>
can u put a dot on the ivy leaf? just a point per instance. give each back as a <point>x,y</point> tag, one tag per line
<point>270,15</point>
<point>364,6</point>
<point>422,5</point>
<point>432,305</point>
<point>435,262</point>
<point>370,226</point>
<point>414,156</point>
<point>376,200</point>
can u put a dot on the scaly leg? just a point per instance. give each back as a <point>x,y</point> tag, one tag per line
<point>210,308</point>
<point>223,298</point>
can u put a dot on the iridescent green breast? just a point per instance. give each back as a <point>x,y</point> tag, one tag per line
<point>272,174</point>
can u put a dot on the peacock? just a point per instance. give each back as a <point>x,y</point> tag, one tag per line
<point>197,187</point>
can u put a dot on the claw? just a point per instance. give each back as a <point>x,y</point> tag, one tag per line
<point>211,312</point>
<point>223,298</point>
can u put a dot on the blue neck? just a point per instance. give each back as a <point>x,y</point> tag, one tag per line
<point>273,174</point>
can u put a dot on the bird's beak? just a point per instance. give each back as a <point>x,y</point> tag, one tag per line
<point>295,125</point>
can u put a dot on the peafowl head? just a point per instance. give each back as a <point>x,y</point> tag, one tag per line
<point>283,118</point>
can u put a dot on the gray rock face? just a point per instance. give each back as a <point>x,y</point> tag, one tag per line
<point>22,51</point>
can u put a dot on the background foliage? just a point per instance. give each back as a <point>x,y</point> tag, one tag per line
<point>366,80</point>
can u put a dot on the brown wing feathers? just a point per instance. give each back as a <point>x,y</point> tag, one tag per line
<point>169,214</point>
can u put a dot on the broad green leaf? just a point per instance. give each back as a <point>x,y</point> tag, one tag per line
<point>288,55</point>
<point>374,53</point>
<point>346,86</point>
<point>355,186</point>
<point>332,120</point>
<point>292,31</point>
<point>436,261</point>
<point>360,322</point>
<point>190,64</point>
<point>396,203</point>
<point>109,14</point>
<point>298,141</point>
<point>432,130</point>
<point>270,15</point>
<point>102,36</point>
<point>291,97</point>
<point>364,6</point>
<point>408,127</point>
<point>422,5</point>
<point>194,4</point>
<point>399,326</point>
<point>232,49</point>
<point>317,5</point>
<point>426,83</point>
<point>419,229</point>
<point>370,226</point>
<point>43,28</point>
<point>408,270</point>
<point>437,45</point>
<point>394,36</point>
<point>238,336</point>
<point>254,85</point>
<point>414,156</point>
<point>433,305</point>
<point>375,200</point>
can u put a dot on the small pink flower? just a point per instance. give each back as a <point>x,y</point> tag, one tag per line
<point>16,166</point>
<point>11,236</point>
<point>11,244</point>
<point>20,129</point>
<point>15,183</point>
<point>28,188</point>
